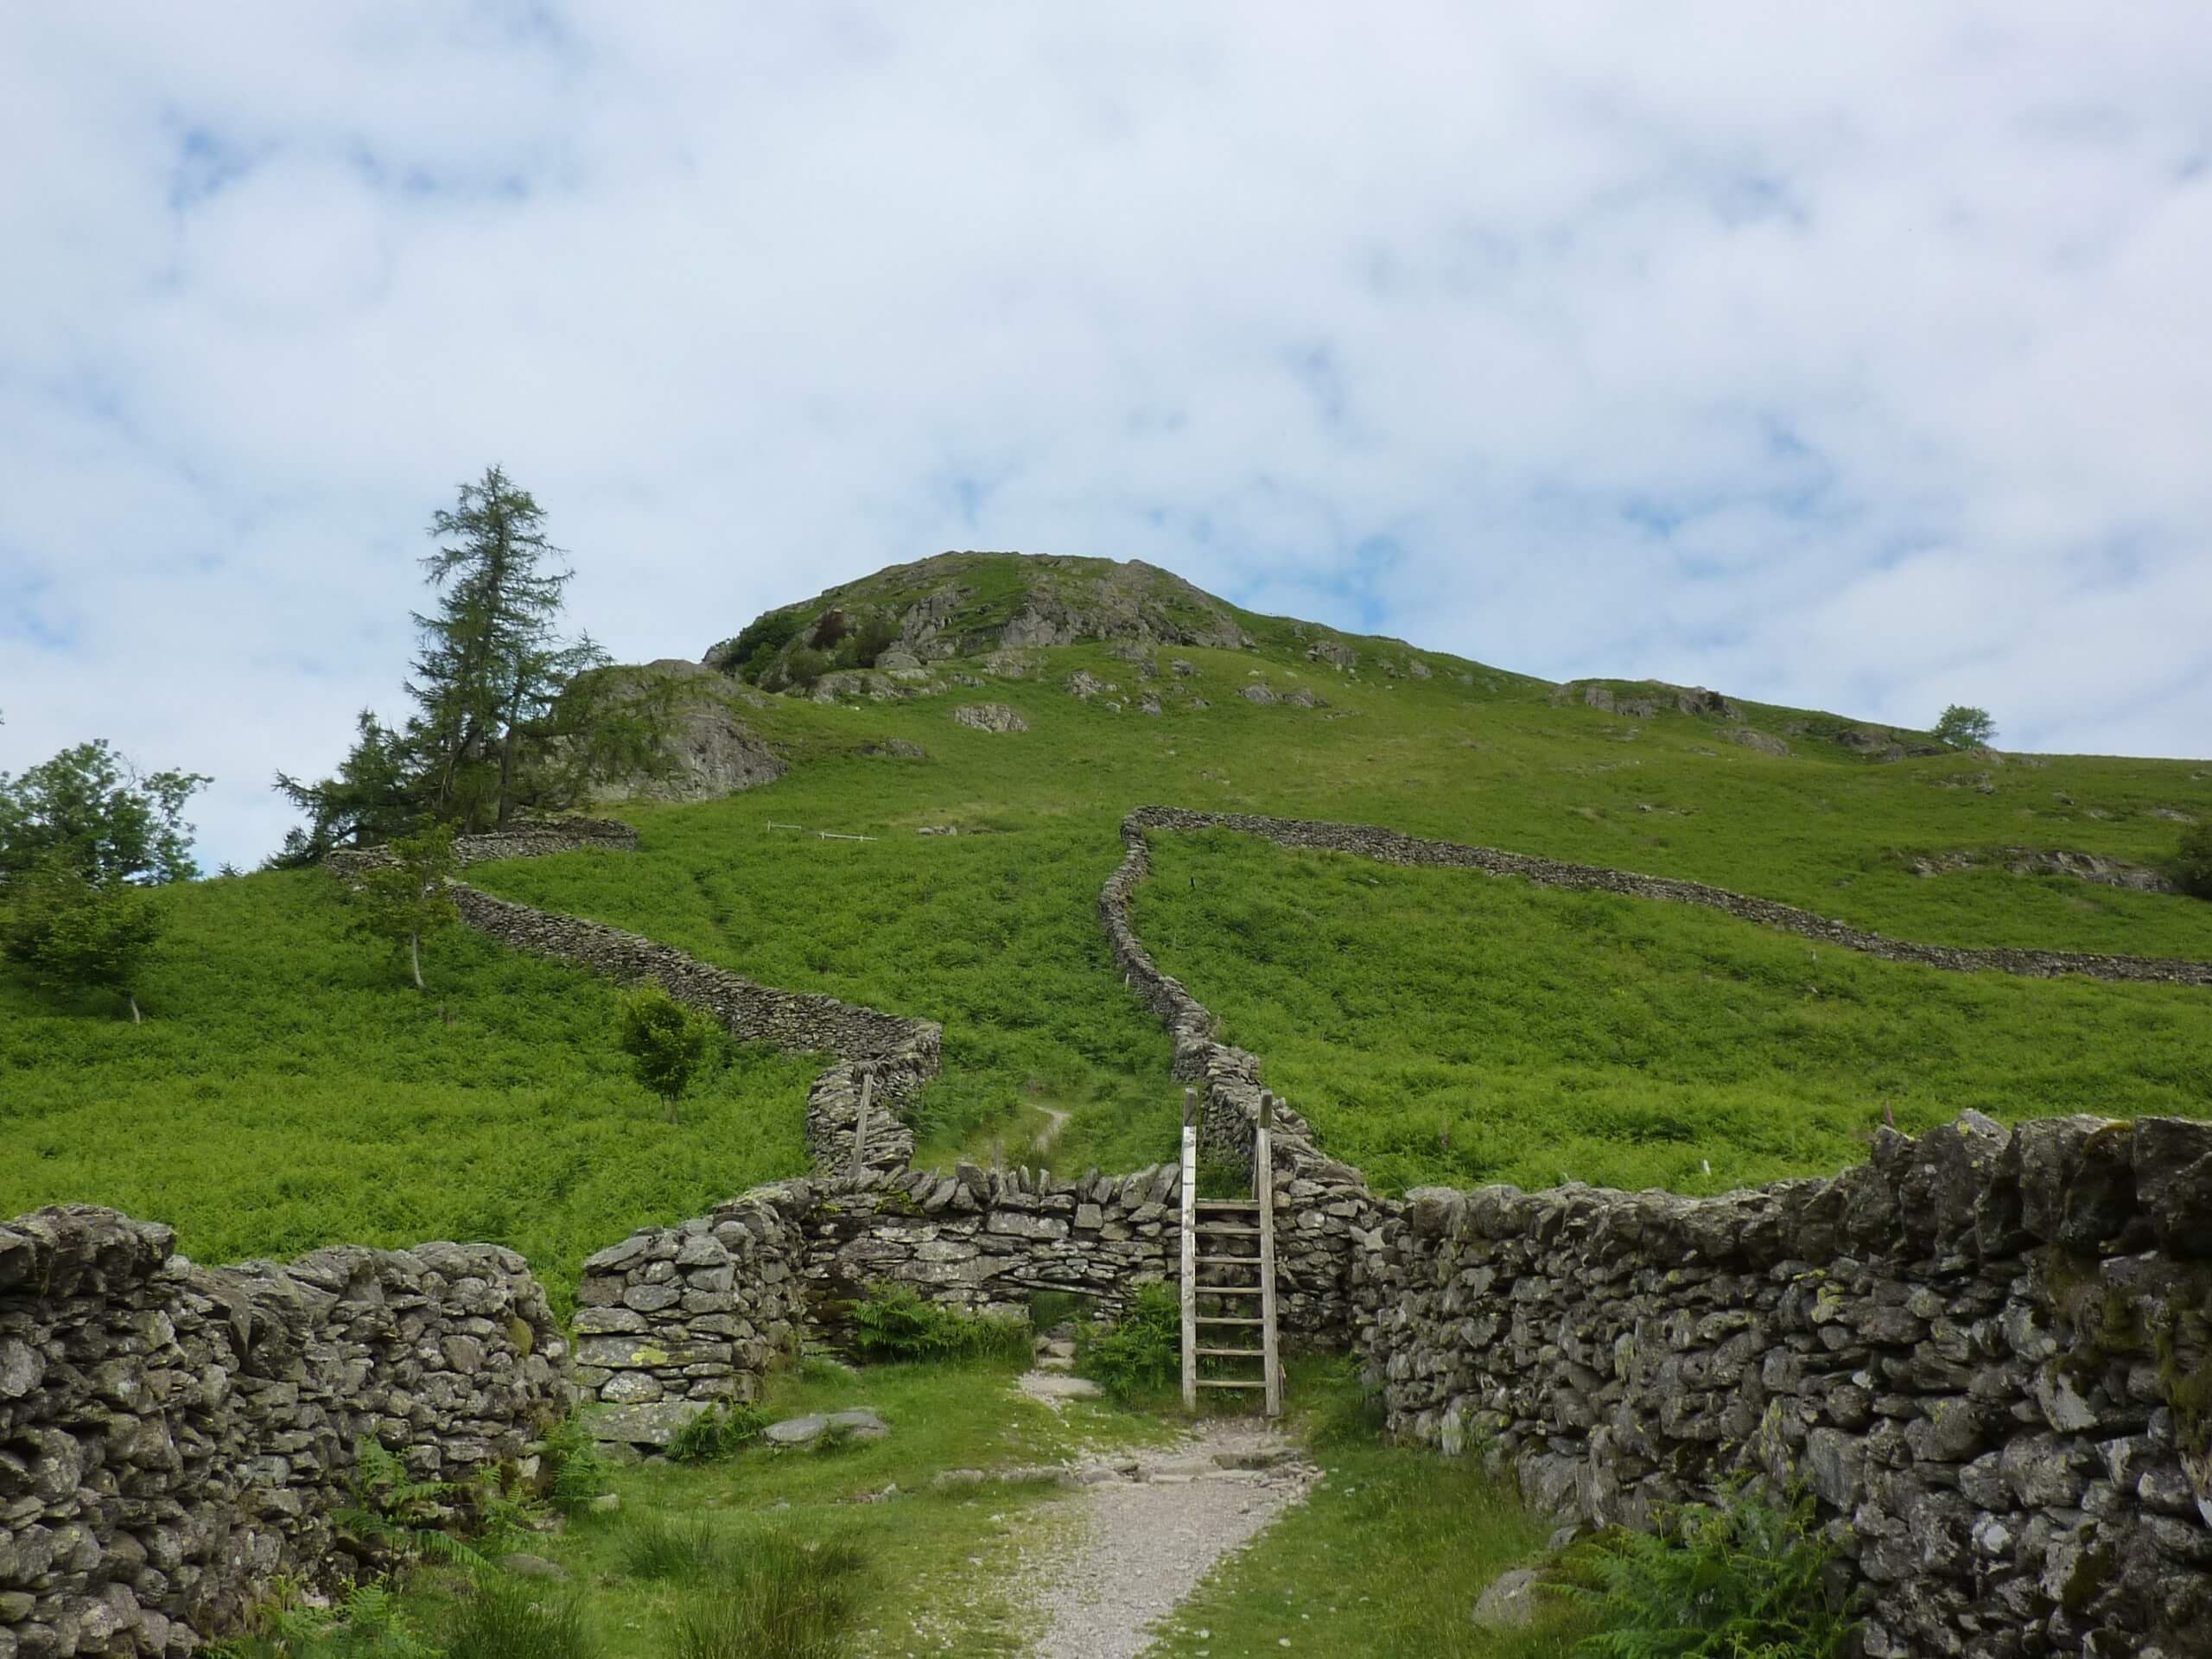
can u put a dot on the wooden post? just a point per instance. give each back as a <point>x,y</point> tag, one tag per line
<point>1190,1250</point>
<point>860,1124</point>
<point>1263,1185</point>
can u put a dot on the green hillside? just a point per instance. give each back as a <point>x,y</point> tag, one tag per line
<point>287,1090</point>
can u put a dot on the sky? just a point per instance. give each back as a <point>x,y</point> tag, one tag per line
<point>1851,358</point>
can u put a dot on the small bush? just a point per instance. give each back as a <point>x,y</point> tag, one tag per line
<point>783,1600</point>
<point>655,1548</point>
<point>758,641</point>
<point>1142,1352</point>
<point>717,1433</point>
<point>1742,1581</point>
<point>896,1322</point>
<point>805,667</point>
<point>513,1618</point>
<point>2193,862</point>
<point>877,635</point>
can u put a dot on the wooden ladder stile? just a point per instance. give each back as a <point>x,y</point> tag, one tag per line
<point>1216,1232</point>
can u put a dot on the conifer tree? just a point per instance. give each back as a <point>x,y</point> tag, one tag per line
<point>490,658</point>
<point>489,663</point>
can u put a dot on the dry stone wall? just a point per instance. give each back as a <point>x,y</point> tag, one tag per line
<point>1388,847</point>
<point>1988,1355</point>
<point>173,1439</point>
<point>673,1317</point>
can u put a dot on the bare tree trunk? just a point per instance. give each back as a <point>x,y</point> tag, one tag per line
<point>131,997</point>
<point>415,957</point>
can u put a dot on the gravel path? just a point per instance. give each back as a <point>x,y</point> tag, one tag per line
<point>1148,1529</point>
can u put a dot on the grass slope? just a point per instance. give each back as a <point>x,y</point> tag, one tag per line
<point>287,1091</point>
<point>992,931</point>
<point>1447,1026</point>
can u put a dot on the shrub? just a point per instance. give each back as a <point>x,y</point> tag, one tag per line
<point>667,1042</point>
<point>717,1433</point>
<point>1741,1581</point>
<point>756,643</point>
<point>876,636</point>
<point>783,1600</point>
<point>1141,1352</point>
<point>805,667</point>
<point>515,1618</point>
<point>830,630</point>
<point>897,1322</point>
<point>2193,862</point>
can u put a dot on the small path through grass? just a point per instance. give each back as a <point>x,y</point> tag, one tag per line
<point>1139,1539</point>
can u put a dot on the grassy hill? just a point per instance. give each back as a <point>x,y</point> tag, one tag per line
<point>1436,1025</point>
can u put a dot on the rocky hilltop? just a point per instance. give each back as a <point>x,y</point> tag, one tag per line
<point>968,604</point>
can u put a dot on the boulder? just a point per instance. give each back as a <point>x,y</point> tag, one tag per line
<point>1509,1603</point>
<point>989,717</point>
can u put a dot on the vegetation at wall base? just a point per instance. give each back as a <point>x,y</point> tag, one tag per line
<point>896,1322</point>
<point>1139,1356</point>
<point>1741,1579</point>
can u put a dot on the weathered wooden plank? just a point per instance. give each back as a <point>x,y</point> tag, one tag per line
<point>1264,1180</point>
<point>1190,1250</point>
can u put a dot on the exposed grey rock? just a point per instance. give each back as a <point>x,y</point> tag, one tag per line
<point>523,1565</point>
<point>656,1425</point>
<point>989,717</point>
<point>1509,1603</point>
<point>1257,693</point>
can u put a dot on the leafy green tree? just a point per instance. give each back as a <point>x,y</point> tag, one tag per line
<point>667,1043</point>
<point>1964,726</point>
<point>2193,863</point>
<point>88,806</point>
<point>403,900</point>
<point>71,932</point>
<point>82,838</point>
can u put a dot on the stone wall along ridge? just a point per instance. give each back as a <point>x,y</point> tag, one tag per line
<point>1988,1355</point>
<point>173,1439</point>
<point>1388,847</point>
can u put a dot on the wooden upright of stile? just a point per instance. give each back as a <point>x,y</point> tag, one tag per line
<point>1237,1300</point>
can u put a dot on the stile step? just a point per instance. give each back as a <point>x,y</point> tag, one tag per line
<point>1226,1318</point>
<point>1232,1353</point>
<point>1230,1383</point>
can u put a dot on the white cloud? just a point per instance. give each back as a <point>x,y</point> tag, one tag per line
<point>1857,360</point>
